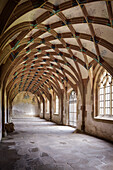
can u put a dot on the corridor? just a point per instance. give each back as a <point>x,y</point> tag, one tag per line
<point>37,144</point>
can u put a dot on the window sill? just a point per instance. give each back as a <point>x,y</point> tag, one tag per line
<point>105,118</point>
<point>56,114</point>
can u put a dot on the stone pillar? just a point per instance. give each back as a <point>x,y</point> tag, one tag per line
<point>50,107</point>
<point>10,111</point>
<point>3,114</point>
<point>7,109</point>
<point>62,105</point>
<point>43,109</point>
<point>65,108</point>
<point>0,114</point>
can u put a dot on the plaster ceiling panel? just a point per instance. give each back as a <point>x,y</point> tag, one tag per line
<point>31,33</point>
<point>45,57</point>
<point>74,52</point>
<point>57,2</point>
<point>106,54</point>
<point>73,12</point>
<point>41,62</point>
<point>41,45</point>
<point>84,72</point>
<point>78,54</point>
<point>29,16</point>
<point>62,29</point>
<point>68,69</point>
<point>104,32</point>
<point>50,50</point>
<point>56,41</point>
<point>97,9</point>
<point>46,34</point>
<point>58,57</point>
<point>64,50</point>
<point>81,28</point>
<point>22,1</point>
<point>72,41</point>
<point>54,63</point>
<point>71,62</point>
<point>70,78</point>
<point>51,20</point>
<point>88,45</point>
<point>89,59</point>
<point>109,61</point>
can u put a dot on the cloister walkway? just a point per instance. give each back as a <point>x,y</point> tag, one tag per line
<point>38,144</point>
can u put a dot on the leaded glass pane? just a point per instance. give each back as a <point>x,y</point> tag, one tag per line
<point>105,92</point>
<point>72,109</point>
<point>57,104</point>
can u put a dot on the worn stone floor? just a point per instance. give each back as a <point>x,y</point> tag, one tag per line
<point>38,144</point>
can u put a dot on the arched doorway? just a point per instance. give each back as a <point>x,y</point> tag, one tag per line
<point>73,109</point>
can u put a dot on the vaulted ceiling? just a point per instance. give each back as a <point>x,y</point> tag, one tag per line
<point>53,44</point>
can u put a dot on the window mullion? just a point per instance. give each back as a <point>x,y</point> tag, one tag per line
<point>111,99</point>
<point>98,102</point>
<point>104,102</point>
<point>105,97</point>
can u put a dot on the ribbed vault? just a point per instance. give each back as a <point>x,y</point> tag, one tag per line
<point>54,44</point>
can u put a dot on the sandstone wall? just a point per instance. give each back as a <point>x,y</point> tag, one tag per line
<point>24,105</point>
<point>0,115</point>
<point>99,128</point>
<point>47,116</point>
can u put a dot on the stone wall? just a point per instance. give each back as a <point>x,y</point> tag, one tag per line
<point>56,117</point>
<point>79,111</point>
<point>0,115</point>
<point>99,128</point>
<point>24,105</point>
<point>66,108</point>
<point>47,116</point>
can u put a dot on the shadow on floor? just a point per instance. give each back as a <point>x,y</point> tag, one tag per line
<point>8,156</point>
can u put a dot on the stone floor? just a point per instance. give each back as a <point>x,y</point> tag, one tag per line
<point>37,144</point>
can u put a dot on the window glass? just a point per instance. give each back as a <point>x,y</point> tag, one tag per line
<point>57,104</point>
<point>47,106</point>
<point>41,107</point>
<point>106,95</point>
<point>72,109</point>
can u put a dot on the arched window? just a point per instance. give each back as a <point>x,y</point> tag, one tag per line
<point>41,107</point>
<point>47,106</point>
<point>72,109</point>
<point>57,105</point>
<point>105,95</point>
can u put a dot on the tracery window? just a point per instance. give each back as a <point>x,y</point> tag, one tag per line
<point>105,95</point>
<point>47,106</point>
<point>41,107</point>
<point>72,109</point>
<point>57,105</point>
